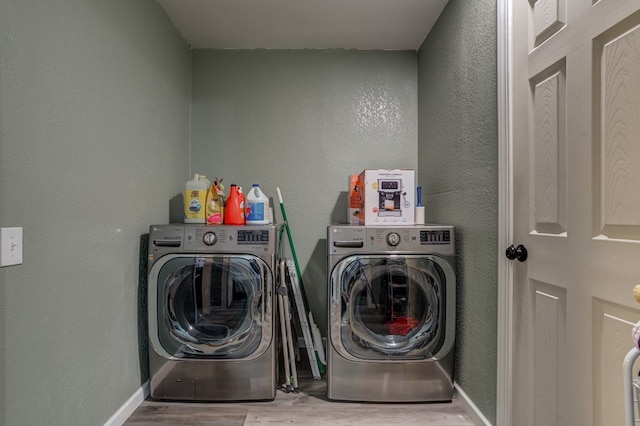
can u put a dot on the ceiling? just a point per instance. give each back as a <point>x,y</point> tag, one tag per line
<point>304,24</point>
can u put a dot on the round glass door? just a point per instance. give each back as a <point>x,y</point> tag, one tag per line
<point>214,306</point>
<point>390,306</point>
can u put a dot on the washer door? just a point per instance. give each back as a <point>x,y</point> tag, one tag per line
<point>211,306</point>
<point>390,307</point>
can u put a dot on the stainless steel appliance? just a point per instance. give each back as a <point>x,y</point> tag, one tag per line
<point>391,313</point>
<point>211,312</point>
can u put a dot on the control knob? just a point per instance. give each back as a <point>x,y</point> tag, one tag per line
<point>393,239</point>
<point>209,238</point>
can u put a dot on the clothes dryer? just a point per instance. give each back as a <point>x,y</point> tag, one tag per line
<point>211,312</point>
<point>391,313</point>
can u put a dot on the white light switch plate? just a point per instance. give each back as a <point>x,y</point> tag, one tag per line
<point>10,246</point>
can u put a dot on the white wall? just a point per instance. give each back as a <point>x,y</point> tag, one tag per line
<point>94,127</point>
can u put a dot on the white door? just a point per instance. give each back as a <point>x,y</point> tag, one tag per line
<point>575,103</point>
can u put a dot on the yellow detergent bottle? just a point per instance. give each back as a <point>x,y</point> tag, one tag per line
<point>195,199</point>
<point>215,204</point>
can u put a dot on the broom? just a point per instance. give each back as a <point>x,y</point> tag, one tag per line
<point>315,331</point>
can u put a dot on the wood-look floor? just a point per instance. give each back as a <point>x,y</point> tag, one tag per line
<point>310,406</point>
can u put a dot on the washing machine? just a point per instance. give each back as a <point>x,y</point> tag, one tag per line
<point>211,312</point>
<point>391,313</point>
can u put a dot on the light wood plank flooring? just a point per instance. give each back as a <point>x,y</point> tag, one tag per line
<point>308,407</point>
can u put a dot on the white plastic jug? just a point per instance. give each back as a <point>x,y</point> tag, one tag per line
<point>256,206</point>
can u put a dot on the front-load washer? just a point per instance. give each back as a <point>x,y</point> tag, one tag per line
<point>391,313</point>
<point>211,312</point>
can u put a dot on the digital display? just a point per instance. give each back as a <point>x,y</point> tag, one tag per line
<point>246,236</point>
<point>441,236</point>
<point>389,184</point>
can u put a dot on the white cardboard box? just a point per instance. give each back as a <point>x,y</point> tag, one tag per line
<point>389,197</point>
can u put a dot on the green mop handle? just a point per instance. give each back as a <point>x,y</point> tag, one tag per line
<point>293,250</point>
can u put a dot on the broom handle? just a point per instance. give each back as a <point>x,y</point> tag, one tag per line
<point>293,250</point>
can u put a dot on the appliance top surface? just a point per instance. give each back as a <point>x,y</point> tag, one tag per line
<point>430,238</point>
<point>391,227</point>
<point>196,238</point>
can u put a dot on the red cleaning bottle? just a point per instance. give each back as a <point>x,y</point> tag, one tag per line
<point>234,212</point>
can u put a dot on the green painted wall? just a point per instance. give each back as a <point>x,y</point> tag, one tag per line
<point>95,133</point>
<point>94,128</point>
<point>458,167</point>
<point>303,121</point>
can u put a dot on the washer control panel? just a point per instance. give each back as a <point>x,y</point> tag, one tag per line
<point>343,239</point>
<point>201,238</point>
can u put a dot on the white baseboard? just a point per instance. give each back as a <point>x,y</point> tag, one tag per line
<point>142,393</point>
<point>130,406</point>
<point>471,409</point>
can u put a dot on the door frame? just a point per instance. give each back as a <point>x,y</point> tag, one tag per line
<point>504,371</point>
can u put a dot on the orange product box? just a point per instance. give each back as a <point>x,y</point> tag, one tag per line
<point>355,199</point>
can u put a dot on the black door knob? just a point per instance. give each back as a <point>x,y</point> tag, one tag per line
<point>519,253</point>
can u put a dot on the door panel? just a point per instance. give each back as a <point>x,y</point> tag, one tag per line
<point>617,107</point>
<point>548,347</point>
<point>612,325</point>
<point>576,160</point>
<point>549,151</point>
